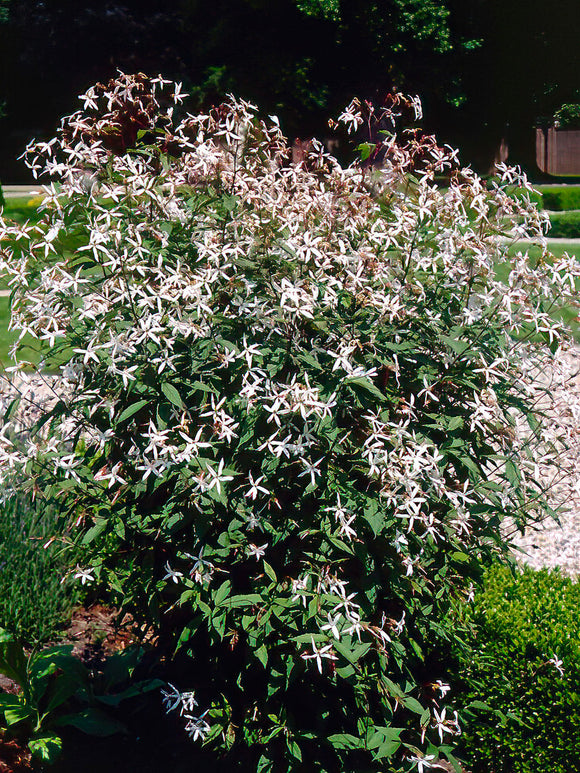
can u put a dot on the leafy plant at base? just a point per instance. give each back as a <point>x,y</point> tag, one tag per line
<point>522,654</point>
<point>57,690</point>
<point>296,406</point>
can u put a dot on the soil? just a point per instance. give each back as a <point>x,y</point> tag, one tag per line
<point>13,759</point>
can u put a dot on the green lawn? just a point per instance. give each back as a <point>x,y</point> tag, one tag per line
<point>22,208</point>
<point>569,314</point>
<point>8,337</point>
<point>556,248</point>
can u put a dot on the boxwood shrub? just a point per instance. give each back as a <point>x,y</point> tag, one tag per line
<point>561,198</point>
<point>565,225</point>
<point>523,655</point>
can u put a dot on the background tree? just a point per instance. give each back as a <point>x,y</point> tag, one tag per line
<point>484,71</point>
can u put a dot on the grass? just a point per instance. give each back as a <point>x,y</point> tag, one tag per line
<point>22,208</point>
<point>34,604</point>
<point>556,249</point>
<point>559,198</point>
<point>569,314</point>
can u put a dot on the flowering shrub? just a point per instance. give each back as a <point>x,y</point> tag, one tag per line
<point>292,409</point>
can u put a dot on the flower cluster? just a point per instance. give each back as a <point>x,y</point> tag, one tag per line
<point>290,419</point>
<point>173,699</point>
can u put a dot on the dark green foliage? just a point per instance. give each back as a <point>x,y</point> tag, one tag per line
<point>33,602</point>
<point>56,690</point>
<point>565,225</point>
<point>561,198</point>
<point>519,624</point>
<point>568,116</point>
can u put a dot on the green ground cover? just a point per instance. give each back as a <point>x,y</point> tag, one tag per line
<point>565,225</point>
<point>22,208</point>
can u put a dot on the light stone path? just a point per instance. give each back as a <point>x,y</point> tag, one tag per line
<point>18,191</point>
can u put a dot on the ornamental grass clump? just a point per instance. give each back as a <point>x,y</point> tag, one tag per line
<point>296,409</point>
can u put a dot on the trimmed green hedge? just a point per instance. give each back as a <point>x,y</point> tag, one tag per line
<point>521,627</point>
<point>565,225</point>
<point>559,199</point>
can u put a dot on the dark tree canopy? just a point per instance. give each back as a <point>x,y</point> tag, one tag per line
<point>483,69</point>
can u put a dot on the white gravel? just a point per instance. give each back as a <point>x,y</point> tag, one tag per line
<point>551,544</point>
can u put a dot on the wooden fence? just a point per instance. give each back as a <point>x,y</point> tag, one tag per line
<point>558,151</point>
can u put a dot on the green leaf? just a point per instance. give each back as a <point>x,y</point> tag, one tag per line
<point>479,705</point>
<point>64,688</point>
<point>262,654</point>
<point>172,394</point>
<point>458,346</point>
<point>386,741</point>
<point>367,385</point>
<point>345,741</point>
<point>132,409</point>
<point>131,692</point>
<point>95,531</point>
<point>365,149</point>
<point>9,701</point>
<point>247,600</point>
<point>512,474</point>
<point>375,520</point>
<point>92,721</point>
<point>294,749</point>
<point>383,734</point>
<point>230,202</point>
<point>387,749</point>
<point>222,593</point>
<point>265,764</point>
<point>13,660</point>
<point>352,654</point>
<point>16,714</point>
<point>270,572</point>
<point>455,423</point>
<point>45,747</point>
<point>414,705</point>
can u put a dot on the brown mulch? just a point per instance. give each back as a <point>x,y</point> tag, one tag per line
<point>98,631</point>
<point>13,758</point>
